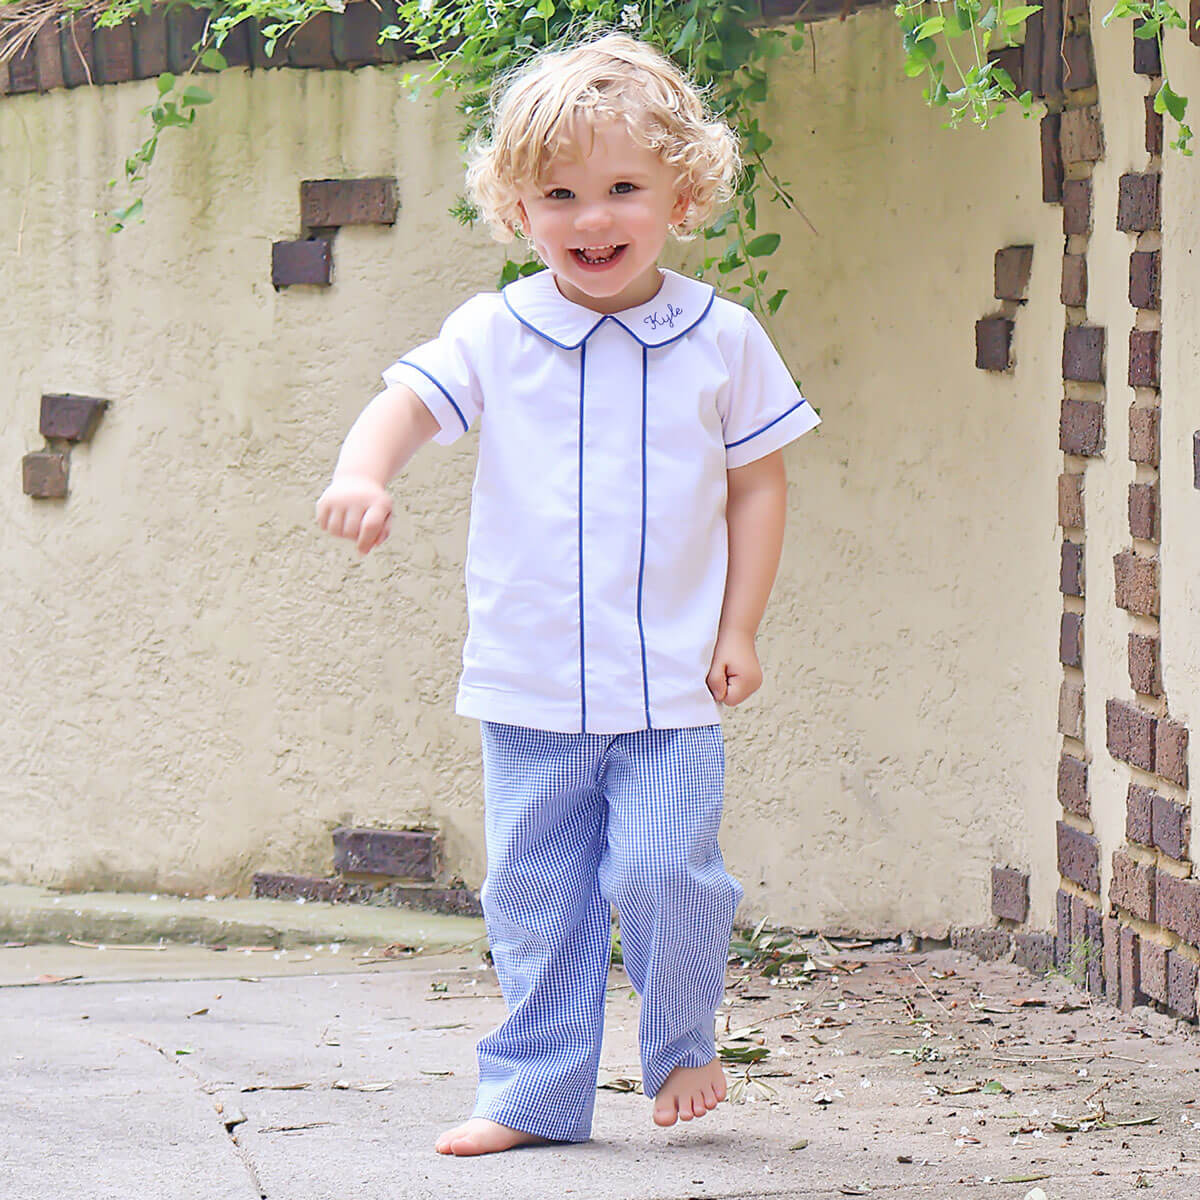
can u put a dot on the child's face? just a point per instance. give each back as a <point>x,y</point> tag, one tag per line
<point>600,218</point>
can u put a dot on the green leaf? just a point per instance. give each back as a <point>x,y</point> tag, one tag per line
<point>196,95</point>
<point>763,245</point>
<point>776,300</point>
<point>214,60</point>
<point>1014,16</point>
<point>166,81</point>
<point>1168,102</point>
<point>928,29</point>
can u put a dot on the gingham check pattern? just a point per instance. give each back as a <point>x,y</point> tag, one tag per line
<point>576,821</point>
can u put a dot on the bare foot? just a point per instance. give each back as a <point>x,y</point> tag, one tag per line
<point>481,1136</point>
<point>689,1092</point>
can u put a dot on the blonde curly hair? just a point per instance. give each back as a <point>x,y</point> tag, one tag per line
<point>534,115</point>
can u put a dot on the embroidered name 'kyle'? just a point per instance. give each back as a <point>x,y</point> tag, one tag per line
<point>654,320</point>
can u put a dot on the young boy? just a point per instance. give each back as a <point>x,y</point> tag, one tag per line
<point>626,525</point>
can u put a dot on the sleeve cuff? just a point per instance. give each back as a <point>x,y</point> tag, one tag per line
<point>435,398</point>
<point>792,424</point>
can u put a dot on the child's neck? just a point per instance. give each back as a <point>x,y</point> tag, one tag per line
<point>640,292</point>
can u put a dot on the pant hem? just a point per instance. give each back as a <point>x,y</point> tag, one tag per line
<point>515,1119</point>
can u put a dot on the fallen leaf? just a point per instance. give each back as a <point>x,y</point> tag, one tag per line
<point>621,1084</point>
<point>276,1087</point>
<point>802,1144</point>
<point>56,978</point>
<point>994,1087</point>
<point>344,1085</point>
<point>200,1012</point>
<point>293,1128</point>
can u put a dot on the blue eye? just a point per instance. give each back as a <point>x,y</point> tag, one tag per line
<point>560,194</point>
<point>623,189</point>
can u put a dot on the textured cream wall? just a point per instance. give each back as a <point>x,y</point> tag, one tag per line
<point>201,685</point>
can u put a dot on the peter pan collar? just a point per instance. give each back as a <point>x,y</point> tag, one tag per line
<point>680,305</point>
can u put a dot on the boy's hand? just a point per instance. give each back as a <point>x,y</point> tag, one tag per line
<point>735,672</point>
<point>357,508</point>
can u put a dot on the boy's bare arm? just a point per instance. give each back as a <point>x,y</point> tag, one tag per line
<point>755,513</point>
<point>388,432</point>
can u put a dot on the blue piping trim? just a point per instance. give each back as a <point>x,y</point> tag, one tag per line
<point>675,336</point>
<point>582,660</point>
<point>405,362</point>
<point>642,561</point>
<point>740,441</point>
<point>553,341</point>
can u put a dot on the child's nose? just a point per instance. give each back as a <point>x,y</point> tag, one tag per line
<point>593,216</point>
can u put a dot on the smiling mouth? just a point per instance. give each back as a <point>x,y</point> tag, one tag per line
<point>597,256</point>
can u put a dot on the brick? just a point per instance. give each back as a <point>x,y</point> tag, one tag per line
<point>1077,206</point>
<point>1171,752</point>
<point>1153,966</point>
<point>1081,135</point>
<point>1154,128</point>
<point>1171,826</point>
<point>1177,906</point>
<point>44,475</point>
<point>1146,58</point>
<point>4,78</point>
<point>325,203</point>
<point>312,44</point>
<point>1062,928</point>
<point>1196,459</point>
<point>72,417</point>
<point>1138,204</point>
<point>1052,159</point>
<point>1139,810</point>
<point>1031,58</point>
<point>1010,59</point>
<point>1010,893</point>
<point>356,35</point>
<point>1073,784</point>
<point>1070,708</point>
<point>79,59</point>
<point>1070,499</point>
<point>258,49</point>
<point>1112,960</point>
<point>1194,22</point>
<point>309,261</point>
<point>1081,427</point>
<point>1137,583</point>
<point>1143,511</point>
<point>1143,435</point>
<point>1052,36</point>
<point>1130,734</point>
<point>454,900</point>
<point>150,42</point>
<point>1132,886</point>
<point>1129,969</point>
<point>993,344</point>
<point>1181,985</point>
<point>1034,952</point>
<point>1145,671</point>
<point>1070,570</point>
<point>1078,857</point>
<point>1070,640</point>
<point>1074,288</point>
<point>1143,279</point>
<point>185,29</point>
<point>114,53</point>
<point>1080,69</point>
<point>404,854</point>
<point>1012,267</point>
<point>22,71</point>
<point>1077,10</point>
<point>1094,925</point>
<point>1143,357</point>
<point>1080,954</point>
<point>1083,353</point>
<point>987,944</point>
<point>47,51</point>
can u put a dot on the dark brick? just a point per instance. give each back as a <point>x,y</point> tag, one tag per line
<point>1154,128</point>
<point>1139,809</point>
<point>1194,22</point>
<point>403,854</point>
<point>1010,59</point>
<point>1171,825</point>
<point>1130,734</point>
<point>114,53</point>
<point>72,417</point>
<point>1145,672</point>
<point>1143,511</point>
<point>1052,159</point>
<point>1080,71</point>
<point>1138,203</point>
<point>1171,752</point>
<point>1081,427</point>
<point>1143,435</point>
<point>1074,288</point>
<point>1083,353</point>
<point>150,42</point>
<point>258,49</point>
<point>1079,952</point>
<point>1010,893</point>
<point>1073,785</point>
<point>312,44</point>
<point>1070,571</point>
<point>1129,968</point>
<point>985,943</point>
<point>325,203</point>
<point>185,29</point>
<point>1132,886</point>
<point>1153,965</point>
<point>1196,459</point>
<point>1012,267</point>
<point>1052,36</point>
<point>44,475</point>
<point>23,72</point>
<point>1143,357</point>
<point>356,35</point>
<point>1137,583</point>
<point>1078,857</point>
<point>47,50</point>
<point>79,58</point>
<point>1094,925</point>
<point>1081,135</point>
<point>1077,11</point>
<point>1146,58</point>
<point>1177,905</point>
<point>1031,58</point>
<point>1181,985</point>
<point>993,344</point>
<point>1143,279</point>
<point>1077,206</point>
<point>1070,709</point>
<point>1070,640</point>
<point>1070,500</point>
<point>453,901</point>
<point>1112,960</point>
<point>1062,928</point>
<point>309,261</point>
<point>456,901</point>
<point>1034,951</point>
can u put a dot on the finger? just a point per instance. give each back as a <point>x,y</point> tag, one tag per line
<point>370,528</point>
<point>352,521</point>
<point>322,513</point>
<point>717,683</point>
<point>385,532</point>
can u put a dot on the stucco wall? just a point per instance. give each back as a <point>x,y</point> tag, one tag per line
<point>201,685</point>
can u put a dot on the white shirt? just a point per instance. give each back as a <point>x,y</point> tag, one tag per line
<point>596,554</point>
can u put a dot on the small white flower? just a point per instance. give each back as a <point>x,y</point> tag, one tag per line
<point>426,7</point>
<point>631,16</point>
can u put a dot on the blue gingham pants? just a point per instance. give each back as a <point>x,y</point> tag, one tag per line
<point>576,822</point>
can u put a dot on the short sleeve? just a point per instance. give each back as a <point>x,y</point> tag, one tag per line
<point>445,372</point>
<point>762,409</point>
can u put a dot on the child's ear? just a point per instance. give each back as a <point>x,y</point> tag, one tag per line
<point>522,217</point>
<point>683,203</point>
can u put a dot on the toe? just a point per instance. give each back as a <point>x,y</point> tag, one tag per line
<point>699,1108</point>
<point>664,1113</point>
<point>710,1098</point>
